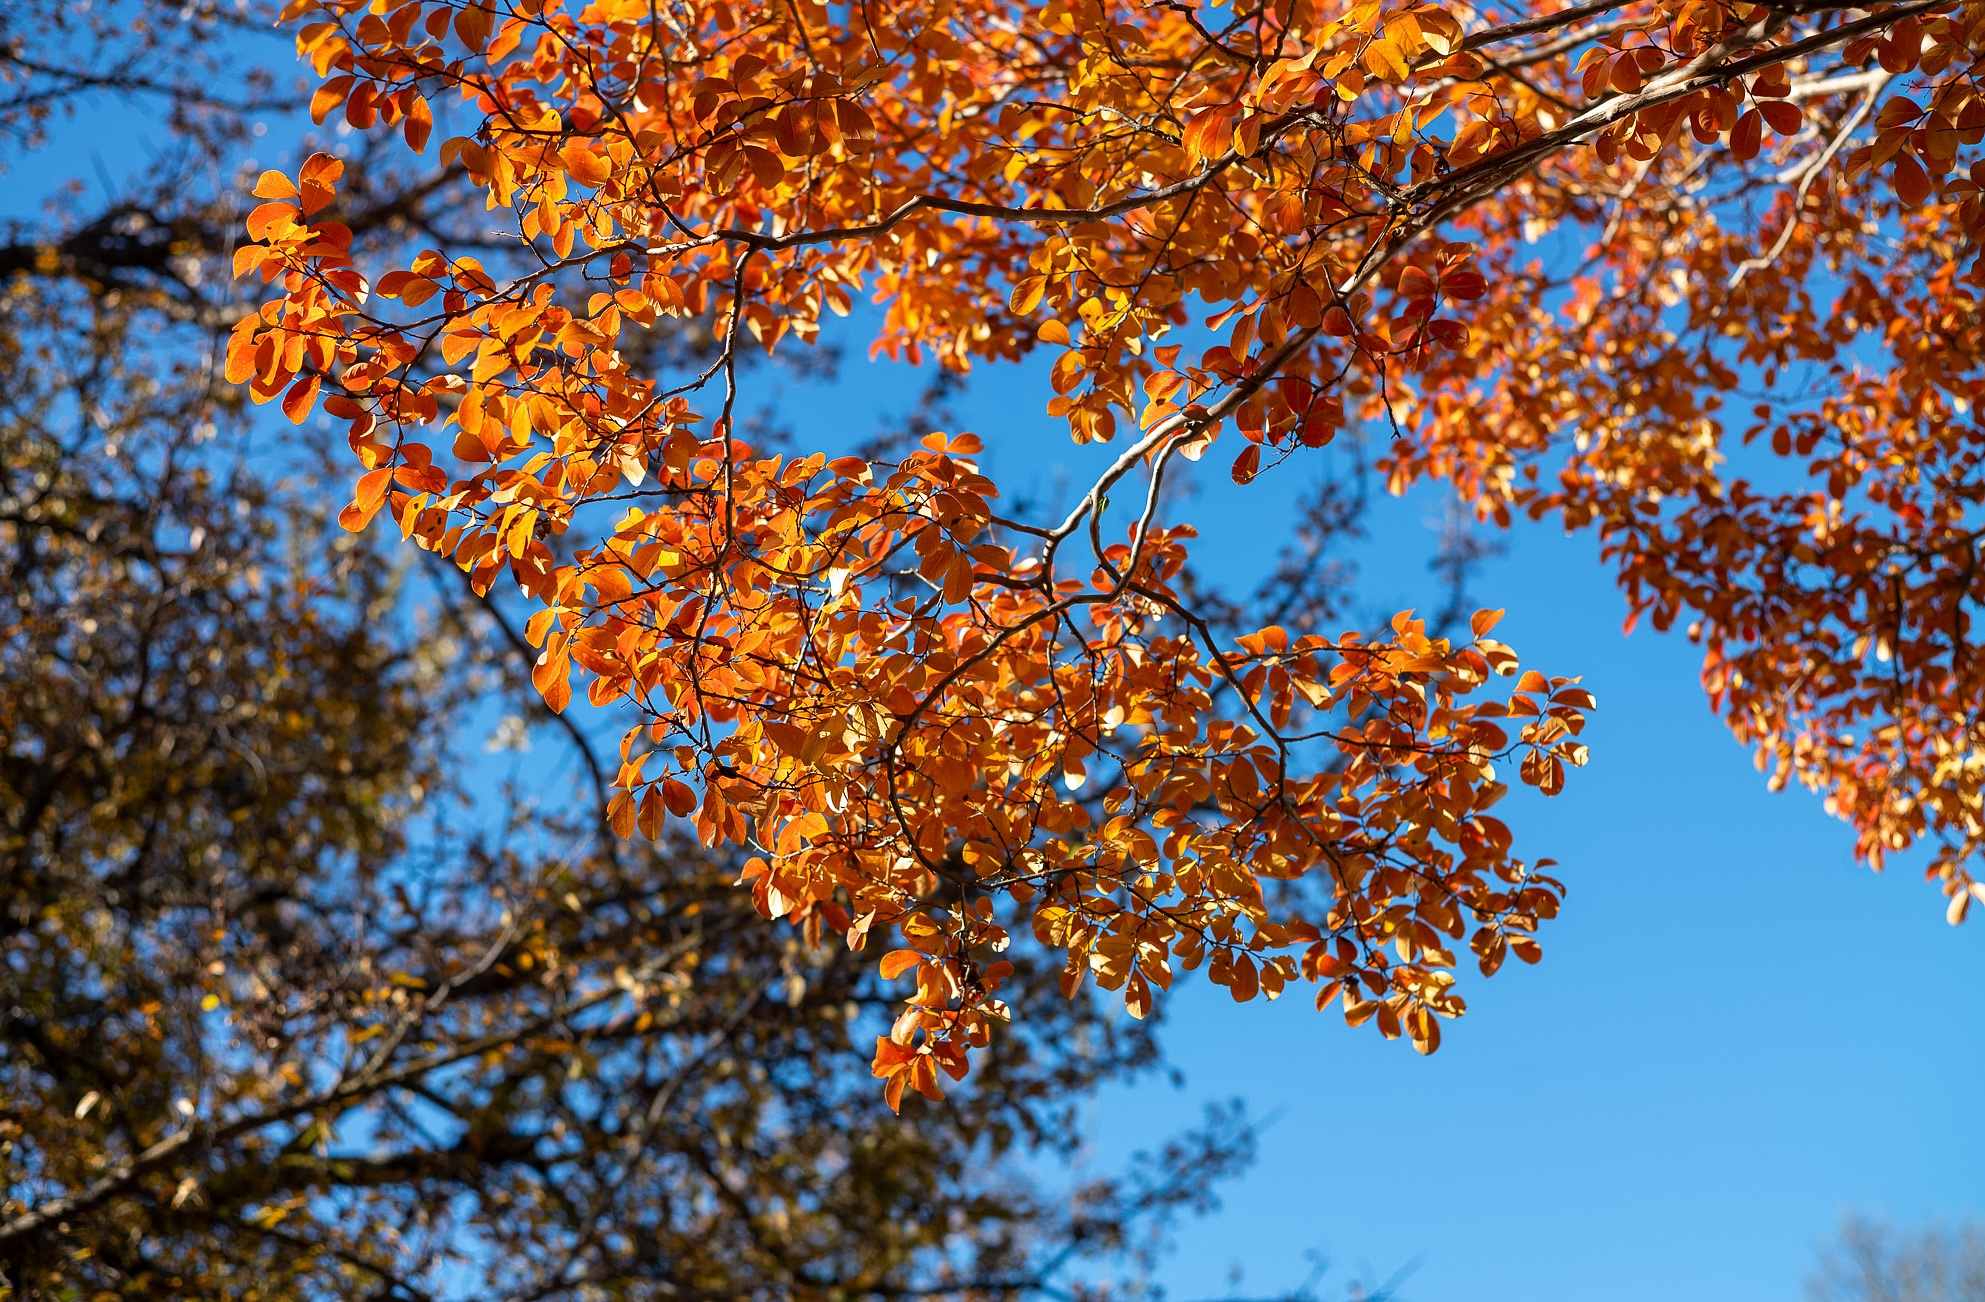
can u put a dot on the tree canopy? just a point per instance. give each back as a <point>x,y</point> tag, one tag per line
<point>296,1000</point>
<point>1698,276</point>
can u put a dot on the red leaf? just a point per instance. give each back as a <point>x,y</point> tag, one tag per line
<point>1465,285</point>
<point>1746,136</point>
<point>1912,183</point>
<point>1597,74</point>
<point>1782,117</point>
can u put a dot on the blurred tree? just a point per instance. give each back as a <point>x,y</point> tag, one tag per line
<point>1872,1262</point>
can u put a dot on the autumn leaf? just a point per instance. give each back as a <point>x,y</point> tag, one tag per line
<point>1384,59</point>
<point>897,962</point>
<point>1514,273</point>
<point>586,167</point>
<point>301,397</point>
<point>420,124</point>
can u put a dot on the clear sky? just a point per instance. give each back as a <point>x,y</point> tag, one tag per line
<point>1736,1036</point>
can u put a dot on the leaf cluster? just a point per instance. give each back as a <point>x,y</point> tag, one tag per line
<point>295,1005</point>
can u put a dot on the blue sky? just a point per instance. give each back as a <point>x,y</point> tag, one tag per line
<point>1737,1034</point>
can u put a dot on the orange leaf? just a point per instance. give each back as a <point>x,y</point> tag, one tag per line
<point>323,168</point>
<point>857,128</point>
<point>301,397</point>
<point>586,167</point>
<point>240,358</point>
<point>372,487</point>
<point>271,218</point>
<point>274,185</point>
<point>1384,59</point>
<point>680,799</point>
<point>1026,295</point>
<point>552,676</point>
<point>620,814</point>
<point>320,172</point>
<point>420,124</point>
<point>328,96</point>
<point>354,517</point>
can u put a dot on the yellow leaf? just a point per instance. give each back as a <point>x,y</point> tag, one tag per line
<point>1385,60</point>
